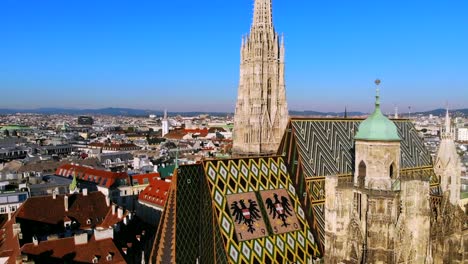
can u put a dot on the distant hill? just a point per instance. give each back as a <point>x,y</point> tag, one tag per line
<point>441,112</point>
<point>316,113</point>
<point>140,112</point>
<point>105,111</point>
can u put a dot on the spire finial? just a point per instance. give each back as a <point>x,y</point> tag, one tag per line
<point>448,128</point>
<point>377,94</point>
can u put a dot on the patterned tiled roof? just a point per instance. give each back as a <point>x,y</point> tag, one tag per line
<point>318,147</point>
<point>164,244</point>
<point>327,145</point>
<point>197,213</point>
<point>250,175</point>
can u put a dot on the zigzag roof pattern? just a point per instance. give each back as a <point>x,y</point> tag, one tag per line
<point>315,148</point>
<point>326,146</point>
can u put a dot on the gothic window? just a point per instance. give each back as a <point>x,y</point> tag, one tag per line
<point>392,170</point>
<point>362,173</point>
<point>359,205</point>
<point>269,94</point>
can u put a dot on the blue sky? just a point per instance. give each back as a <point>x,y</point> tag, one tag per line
<point>184,55</point>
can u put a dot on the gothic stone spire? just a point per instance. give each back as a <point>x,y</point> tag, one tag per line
<point>447,163</point>
<point>261,110</point>
<point>448,126</point>
<point>262,14</point>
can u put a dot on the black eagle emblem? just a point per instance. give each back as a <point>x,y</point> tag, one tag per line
<point>247,215</point>
<point>279,209</point>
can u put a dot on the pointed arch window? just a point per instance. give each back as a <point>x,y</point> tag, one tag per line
<point>392,171</point>
<point>269,94</point>
<point>362,170</point>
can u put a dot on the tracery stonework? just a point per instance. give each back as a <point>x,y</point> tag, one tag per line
<point>261,111</point>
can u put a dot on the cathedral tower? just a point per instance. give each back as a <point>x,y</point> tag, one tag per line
<point>261,111</point>
<point>165,124</point>
<point>447,164</point>
<point>383,216</point>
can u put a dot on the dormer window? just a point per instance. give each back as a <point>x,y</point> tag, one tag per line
<point>109,256</point>
<point>95,259</point>
<point>89,221</point>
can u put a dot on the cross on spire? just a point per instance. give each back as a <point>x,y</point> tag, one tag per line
<point>377,94</point>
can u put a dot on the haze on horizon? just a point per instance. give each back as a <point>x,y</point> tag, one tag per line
<point>184,55</point>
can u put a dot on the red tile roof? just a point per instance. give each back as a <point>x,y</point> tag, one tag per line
<point>9,243</point>
<point>48,210</point>
<point>61,248</point>
<point>175,134</point>
<point>141,177</point>
<point>100,177</point>
<point>156,193</point>
<point>115,146</point>
<point>180,133</point>
<point>202,132</point>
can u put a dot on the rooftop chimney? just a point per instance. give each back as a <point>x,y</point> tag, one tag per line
<point>85,192</point>
<point>54,195</point>
<point>107,200</point>
<point>81,239</point>
<point>120,213</point>
<point>113,208</point>
<point>35,241</point>
<point>65,203</point>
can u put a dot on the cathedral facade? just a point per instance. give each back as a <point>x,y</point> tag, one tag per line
<point>358,191</point>
<point>261,113</point>
<point>388,213</point>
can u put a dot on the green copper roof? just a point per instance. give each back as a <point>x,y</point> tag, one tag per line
<point>14,127</point>
<point>464,195</point>
<point>166,171</point>
<point>377,126</point>
<point>73,184</point>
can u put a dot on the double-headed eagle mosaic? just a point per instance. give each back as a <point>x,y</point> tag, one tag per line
<point>247,215</point>
<point>280,208</point>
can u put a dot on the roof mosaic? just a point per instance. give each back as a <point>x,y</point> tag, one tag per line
<point>318,147</point>
<point>227,177</point>
<point>327,145</point>
<point>197,213</point>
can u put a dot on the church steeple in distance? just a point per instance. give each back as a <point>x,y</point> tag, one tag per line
<point>261,112</point>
